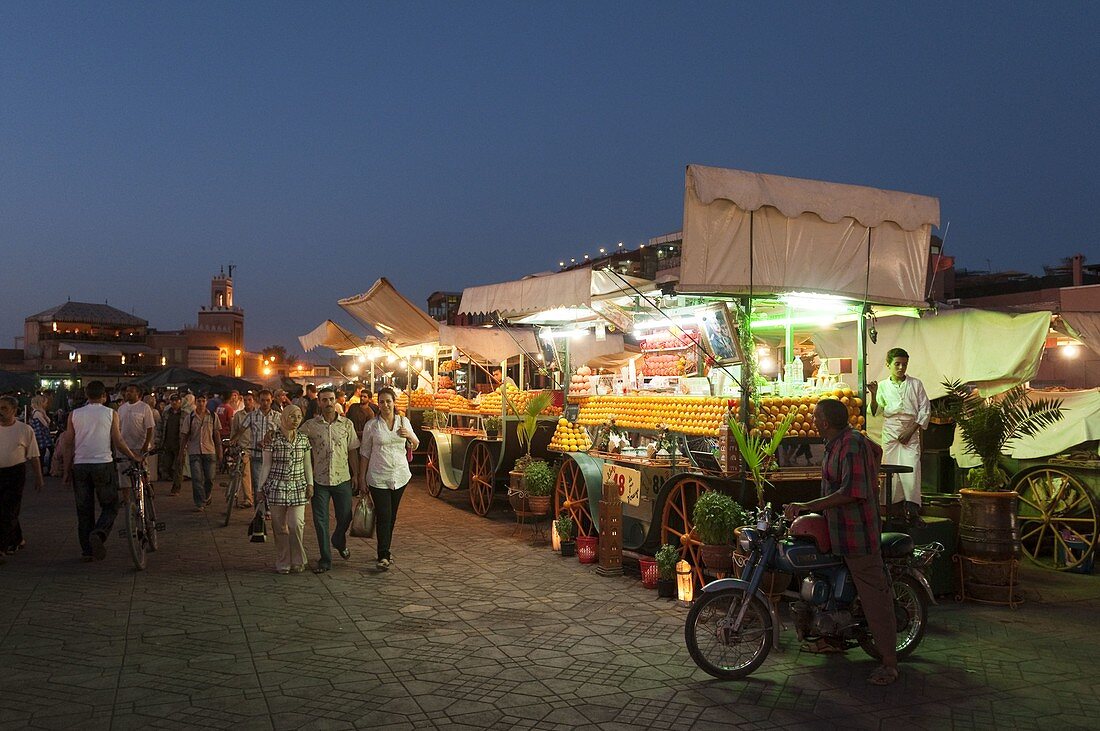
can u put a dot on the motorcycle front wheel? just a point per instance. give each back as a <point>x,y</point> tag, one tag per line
<point>911,612</point>
<point>720,649</point>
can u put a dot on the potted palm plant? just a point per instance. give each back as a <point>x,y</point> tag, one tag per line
<point>987,528</point>
<point>564,526</point>
<point>757,453</point>
<point>666,558</point>
<point>714,518</point>
<point>525,434</point>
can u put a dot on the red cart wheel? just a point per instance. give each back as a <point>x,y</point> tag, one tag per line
<point>676,528</point>
<point>571,496</point>
<point>482,474</point>
<point>431,468</point>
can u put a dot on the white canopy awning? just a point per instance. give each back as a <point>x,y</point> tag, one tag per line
<point>489,343</point>
<point>1083,326</point>
<point>748,232</point>
<point>390,313</point>
<point>331,335</point>
<point>537,293</point>
<point>993,350</point>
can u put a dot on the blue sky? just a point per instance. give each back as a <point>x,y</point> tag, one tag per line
<point>319,146</point>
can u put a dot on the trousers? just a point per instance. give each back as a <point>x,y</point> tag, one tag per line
<point>340,495</point>
<point>288,523</point>
<point>385,517</point>
<point>12,480</point>
<point>877,598</point>
<point>92,483</point>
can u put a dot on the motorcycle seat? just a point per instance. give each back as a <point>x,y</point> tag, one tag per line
<point>896,545</point>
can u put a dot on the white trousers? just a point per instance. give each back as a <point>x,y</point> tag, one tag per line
<point>905,487</point>
<point>287,524</point>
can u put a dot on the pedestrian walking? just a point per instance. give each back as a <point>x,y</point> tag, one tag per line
<point>170,443</point>
<point>333,445</point>
<point>137,425</point>
<point>286,476</point>
<point>18,446</point>
<point>262,423</point>
<point>93,429</point>
<point>199,440</point>
<point>240,434</point>
<point>385,468</point>
<point>41,424</point>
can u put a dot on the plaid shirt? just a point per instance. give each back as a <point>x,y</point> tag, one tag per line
<point>851,467</point>
<point>286,481</point>
<point>261,425</point>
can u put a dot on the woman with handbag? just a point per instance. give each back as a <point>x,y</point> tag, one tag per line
<point>286,477</point>
<point>384,467</point>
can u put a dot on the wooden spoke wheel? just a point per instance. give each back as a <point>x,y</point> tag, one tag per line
<point>1055,510</point>
<point>571,496</point>
<point>676,528</point>
<point>431,467</point>
<point>482,474</point>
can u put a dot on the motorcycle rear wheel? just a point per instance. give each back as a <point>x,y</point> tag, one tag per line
<point>728,654</point>
<point>911,610</point>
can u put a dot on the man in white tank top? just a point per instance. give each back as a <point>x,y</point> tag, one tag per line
<point>94,429</point>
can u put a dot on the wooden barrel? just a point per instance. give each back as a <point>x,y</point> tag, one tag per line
<point>988,529</point>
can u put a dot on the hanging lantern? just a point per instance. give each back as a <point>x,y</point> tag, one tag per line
<point>555,539</point>
<point>685,582</point>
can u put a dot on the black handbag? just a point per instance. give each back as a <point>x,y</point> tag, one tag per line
<point>257,529</point>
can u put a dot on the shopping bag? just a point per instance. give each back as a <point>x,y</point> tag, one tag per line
<point>257,529</point>
<point>362,519</point>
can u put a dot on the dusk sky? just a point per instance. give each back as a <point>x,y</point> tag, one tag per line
<point>321,145</point>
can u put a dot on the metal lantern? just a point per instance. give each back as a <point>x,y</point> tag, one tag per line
<point>685,582</point>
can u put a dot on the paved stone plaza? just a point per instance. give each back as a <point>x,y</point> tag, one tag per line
<point>473,628</point>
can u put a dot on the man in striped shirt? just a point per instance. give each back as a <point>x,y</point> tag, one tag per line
<point>260,424</point>
<point>849,482</point>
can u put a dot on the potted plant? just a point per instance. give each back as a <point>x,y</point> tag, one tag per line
<point>666,558</point>
<point>539,482</point>
<point>432,419</point>
<point>492,426</point>
<point>564,526</point>
<point>987,527</point>
<point>714,519</point>
<point>525,433</point>
<point>757,453</point>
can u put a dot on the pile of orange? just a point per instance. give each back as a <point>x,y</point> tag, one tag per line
<point>421,399</point>
<point>570,438</point>
<point>774,409</point>
<point>692,415</point>
<point>447,400</point>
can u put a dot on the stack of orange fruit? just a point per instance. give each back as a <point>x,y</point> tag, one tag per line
<point>692,415</point>
<point>570,437</point>
<point>774,409</point>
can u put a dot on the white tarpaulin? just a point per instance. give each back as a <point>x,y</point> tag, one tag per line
<point>1080,423</point>
<point>993,350</point>
<point>771,234</point>
<point>330,335</point>
<point>1083,326</point>
<point>490,344</point>
<point>586,350</point>
<point>390,313</point>
<point>573,288</point>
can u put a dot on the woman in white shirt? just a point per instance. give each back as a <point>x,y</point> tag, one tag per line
<point>385,468</point>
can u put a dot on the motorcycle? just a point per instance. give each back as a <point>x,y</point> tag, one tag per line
<point>733,626</point>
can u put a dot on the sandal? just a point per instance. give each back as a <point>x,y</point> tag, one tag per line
<point>883,675</point>
<point>821,646</point>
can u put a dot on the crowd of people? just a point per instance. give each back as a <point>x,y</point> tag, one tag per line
<point>321,447</point>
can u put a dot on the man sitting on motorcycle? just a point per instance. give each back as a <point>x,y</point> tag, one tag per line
<point>849,501</point>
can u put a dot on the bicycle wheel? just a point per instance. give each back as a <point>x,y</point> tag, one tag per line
<point>722,650</point>
<point>150,520</point>
<point>231,497</point>
<point>135,530</point>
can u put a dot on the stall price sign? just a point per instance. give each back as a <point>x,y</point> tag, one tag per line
<point>572,411</point>
<point>628,482</point>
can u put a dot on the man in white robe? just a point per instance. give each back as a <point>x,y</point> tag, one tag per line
<point>906,410</point>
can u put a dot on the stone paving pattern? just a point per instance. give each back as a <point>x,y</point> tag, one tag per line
<point>473,628</point>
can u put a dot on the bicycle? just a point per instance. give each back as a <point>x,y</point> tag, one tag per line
<point>141,512</point>
<point>234,462</point>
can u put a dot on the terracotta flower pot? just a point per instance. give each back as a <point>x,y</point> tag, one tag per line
<point>716,558</point>
<point>539,504</point>
<point>988,527</point>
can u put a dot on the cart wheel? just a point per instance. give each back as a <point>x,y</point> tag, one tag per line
<point>676,528</point>
<point>571,496</point>
<point>1054,507</point>
<point>431,468</point>
<point>481,478</point>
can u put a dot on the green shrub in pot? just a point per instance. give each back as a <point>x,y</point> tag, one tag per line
<point>539,478</point>
<point>715,516</point>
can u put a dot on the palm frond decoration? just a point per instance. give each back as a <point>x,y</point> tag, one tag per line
<point>757,451</point>
<point>529,417</point>
<point>989,426</point>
